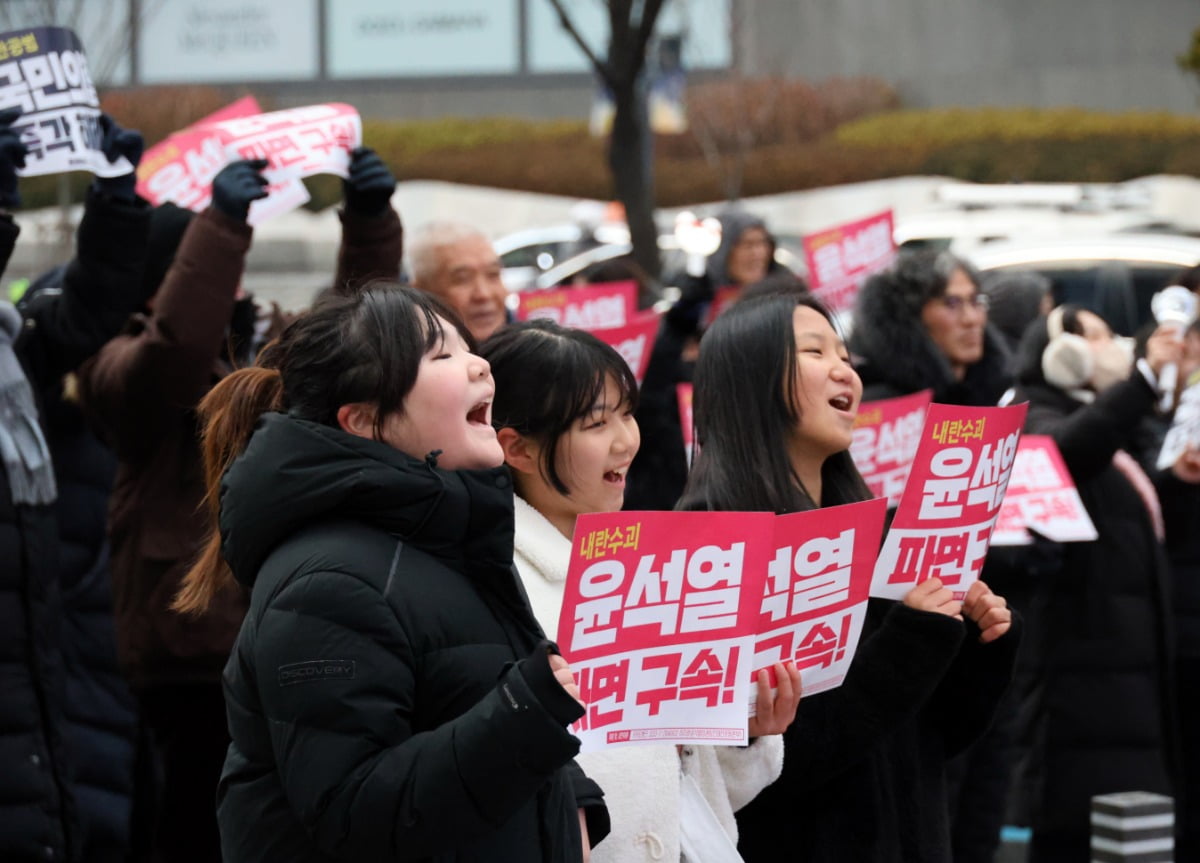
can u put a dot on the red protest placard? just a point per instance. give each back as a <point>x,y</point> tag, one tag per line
<point>815,597</point>
<point>592,307</point>
<point>181,168</point>
<point>953,496</point>
<point>884,442</point>
<point>683,395</point>
<point>634,341</point>
<point>840,258</point>
<point>658,624</point>
<point>1041,496</point>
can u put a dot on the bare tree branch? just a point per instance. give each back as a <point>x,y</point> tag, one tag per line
<point>602,68</point>
<point>650,11</point>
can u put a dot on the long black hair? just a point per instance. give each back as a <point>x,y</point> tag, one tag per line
<point>547,377</point>
<point>745,408</point>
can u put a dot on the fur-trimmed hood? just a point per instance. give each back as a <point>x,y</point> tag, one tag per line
<point>894,355</point>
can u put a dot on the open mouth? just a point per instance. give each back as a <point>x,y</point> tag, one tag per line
<point>842,403</point>
<point>478,415</point>
<point>616,477</point>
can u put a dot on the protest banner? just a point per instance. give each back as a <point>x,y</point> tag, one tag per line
<point>840,258</point>
<point>658,624</point>
<point>884,442</point>
<point>634,341</point>
<point>1042,497</point>
<point>181,168</point>
<point>687,423</point>
<point>815,596</point>
<point>43,71</point>
<point>947,511</point>
<point>297,143</point>
<point>590,307</point>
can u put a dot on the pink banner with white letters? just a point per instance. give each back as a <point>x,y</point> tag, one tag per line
<point>815,597</point>
<point>953,497</point>
<point>658,624</point>
<point>181,168</point>
<point>592,307</point>
<point>1041,497</point>
<point>884,442</point>
<point>840,258</point>
<point>634,341</point>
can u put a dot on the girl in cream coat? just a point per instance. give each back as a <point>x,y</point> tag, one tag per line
<point>564,414</point>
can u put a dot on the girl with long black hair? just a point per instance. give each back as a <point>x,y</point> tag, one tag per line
<point>864,764</point>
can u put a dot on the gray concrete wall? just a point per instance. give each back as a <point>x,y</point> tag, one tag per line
<point>1104,54</point>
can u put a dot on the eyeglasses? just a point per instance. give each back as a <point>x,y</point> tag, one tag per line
<point>955,304</point>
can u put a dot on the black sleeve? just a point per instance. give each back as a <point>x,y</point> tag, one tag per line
<point>101,287</point>
<point>893,675</point>
<point>1090,436</point>
<point>590,798</point>
<point>966,700</point>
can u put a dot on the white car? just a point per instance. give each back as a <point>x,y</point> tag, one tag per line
<point>1113,274</point>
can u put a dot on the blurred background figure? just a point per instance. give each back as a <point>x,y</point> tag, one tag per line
<point>457,264</point>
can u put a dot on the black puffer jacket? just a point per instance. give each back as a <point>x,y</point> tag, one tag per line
<point>1095,678</point>
<point>894,355</point>
<point>864,765</point>
<point>388,696</point>
<point>100,287</point>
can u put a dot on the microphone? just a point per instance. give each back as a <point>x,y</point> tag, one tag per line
<point>1176,305</point>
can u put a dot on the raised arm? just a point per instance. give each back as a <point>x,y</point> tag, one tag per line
<point>372,237</point>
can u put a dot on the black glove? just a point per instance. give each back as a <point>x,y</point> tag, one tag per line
<point>115,143</point>
<point>12,157</point>
<point>369,188</point>
<point>237,185</point>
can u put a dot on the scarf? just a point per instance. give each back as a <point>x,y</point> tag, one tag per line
<point>22,445</point>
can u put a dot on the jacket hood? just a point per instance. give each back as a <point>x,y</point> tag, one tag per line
<point>294,473</point>
<point>734,223</point>
<point>893,351</point>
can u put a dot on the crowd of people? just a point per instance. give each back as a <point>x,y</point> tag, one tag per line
<point>277,585</point>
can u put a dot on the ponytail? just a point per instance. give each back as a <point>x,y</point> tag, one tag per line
<point>228,415</point>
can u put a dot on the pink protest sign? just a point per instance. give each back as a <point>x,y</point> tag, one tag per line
<point>594,307</point>
<point>952,499</point>
<point>634,341</point>
<point>884,442</point>
<point>839,259</point>
<point>815,597</point>
<point>297,142</point>
<point>683,395</point>
<point>658,624</point>
<point>181,168</point>
<point>1042,497</point>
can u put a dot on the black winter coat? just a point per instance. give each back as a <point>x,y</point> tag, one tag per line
<point>1094,681</point>
<point>864,767</point>
<point>388,695</point>
<point>101,286</point>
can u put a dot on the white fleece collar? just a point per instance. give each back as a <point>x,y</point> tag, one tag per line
<point>540,542</point>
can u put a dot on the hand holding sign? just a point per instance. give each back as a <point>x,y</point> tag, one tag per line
<point>119,145</point>
<point>12,158</point>
<point>989,611</point>
<point>369,188</point>
<point>931,596</point>
<point>237,185</point>
<point>565,678</point>
<point>773,715</point>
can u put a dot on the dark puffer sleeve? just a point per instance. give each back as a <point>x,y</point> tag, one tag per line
<point>362,782</point>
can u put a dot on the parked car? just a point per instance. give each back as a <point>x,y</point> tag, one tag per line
<point>1115,274</point>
